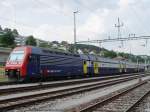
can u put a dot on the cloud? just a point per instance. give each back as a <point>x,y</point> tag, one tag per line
<point>125,3</point>
<point>51,33</point>
<point>53,19</point>
<point>93,26</point>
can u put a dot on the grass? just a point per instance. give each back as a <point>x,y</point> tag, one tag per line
<point>1,71</point>
<point>2,74</point>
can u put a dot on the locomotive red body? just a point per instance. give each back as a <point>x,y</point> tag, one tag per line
<point>16,65</point>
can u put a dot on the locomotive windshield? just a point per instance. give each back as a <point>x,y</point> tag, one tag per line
<point>16,55</point>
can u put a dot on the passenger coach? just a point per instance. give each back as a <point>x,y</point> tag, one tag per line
<point>29,62</point>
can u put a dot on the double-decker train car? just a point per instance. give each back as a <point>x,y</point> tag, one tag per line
<point>28,63</point>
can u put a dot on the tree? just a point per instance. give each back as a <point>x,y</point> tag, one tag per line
<point>15,32</point>
<point>7,39</point>
<point>140,59</point>
<point>1,28</point>
<point>110,54</point>
<point>45,45</point>
<point>7,30</point>
<point>86,51</point>
<point>55,42</point>
<point>31,41</point>
<point>71,50</point>
<point>65,43</point>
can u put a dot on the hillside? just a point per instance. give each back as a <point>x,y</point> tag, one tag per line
<point>64,46</point>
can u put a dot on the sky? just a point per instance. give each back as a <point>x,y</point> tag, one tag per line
<point>53,20</point>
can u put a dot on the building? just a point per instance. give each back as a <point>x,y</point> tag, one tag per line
<point>20,40</point>
<point>39,41</point>
<point>4,53</point>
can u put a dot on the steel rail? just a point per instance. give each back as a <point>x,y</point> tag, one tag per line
<point>7,104</point>
<point>137,102</point>
<point>89,78</point>
<point>92,107</point>
<point>58,84</point>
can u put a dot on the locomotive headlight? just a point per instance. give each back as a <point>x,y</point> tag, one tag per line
<point>18,70</point>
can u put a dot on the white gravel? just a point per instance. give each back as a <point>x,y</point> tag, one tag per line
<point>144,105</point>
<point>74,100</point>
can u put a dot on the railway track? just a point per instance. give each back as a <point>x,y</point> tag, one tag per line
<point>142,104</point>
<point>122,101</point>
<point>6,83</point>
<point>16,100</point>
<point>44,85</point>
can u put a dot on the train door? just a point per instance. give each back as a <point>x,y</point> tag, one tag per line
<point>120,67</point>
<point>34,65</point>
<point>96,68</point>
<point>125,67</point>
<point>85,67</point>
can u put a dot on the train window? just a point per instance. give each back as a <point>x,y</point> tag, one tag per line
<point>84,62</point>
<point>16,56</point>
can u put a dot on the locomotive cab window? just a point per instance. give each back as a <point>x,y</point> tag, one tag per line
<point>16,55</point>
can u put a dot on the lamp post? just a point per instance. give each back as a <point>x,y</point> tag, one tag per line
<point>74,15</point>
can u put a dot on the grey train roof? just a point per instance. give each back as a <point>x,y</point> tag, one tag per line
<point>82,56</point>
